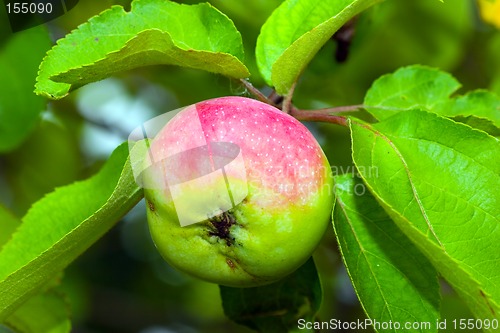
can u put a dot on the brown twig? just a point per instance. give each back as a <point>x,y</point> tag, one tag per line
<point>318,116</point>
<point>326,115</point>
<point>340,109</point>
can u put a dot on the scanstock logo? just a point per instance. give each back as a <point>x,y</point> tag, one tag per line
<point>24,14</point>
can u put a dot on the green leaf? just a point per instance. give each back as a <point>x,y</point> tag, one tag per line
<point>19,107</point>
<point>477,104</point>
<point>412,87</point>
<point>439,181</point>
<point>382,261</point>
<point>480,123</point>
<point>295,32</point>
<point>61,226</point>
<point>153,32</point>
<point>8,223</point>
<point>276,307</point>
<point>421,87</point>
<point>45,313</point>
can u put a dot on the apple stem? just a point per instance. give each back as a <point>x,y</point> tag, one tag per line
<point>322,115</point>
<point>256,92</point>
<point>287,103</point>
<point>275,98</point>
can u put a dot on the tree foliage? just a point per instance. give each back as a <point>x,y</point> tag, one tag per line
<point>421,202</point>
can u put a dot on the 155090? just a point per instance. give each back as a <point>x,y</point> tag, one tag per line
<point>29,8</point>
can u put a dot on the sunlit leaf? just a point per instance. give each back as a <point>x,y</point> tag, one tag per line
<point>409,88</point>
<point>153,32</point>
<point>295,32</point>
<point>439,181</point>
<point>62,225</point>
<point>480,123</point>
<point>479,104</point>
<point>421,87</point>
<point>382,261</point>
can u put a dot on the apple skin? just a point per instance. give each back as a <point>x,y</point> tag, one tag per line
<point>284,215</point>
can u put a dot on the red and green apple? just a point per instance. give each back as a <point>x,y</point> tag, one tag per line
<point>239,194</point>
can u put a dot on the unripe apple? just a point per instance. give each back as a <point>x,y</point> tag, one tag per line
<point>239,193</point>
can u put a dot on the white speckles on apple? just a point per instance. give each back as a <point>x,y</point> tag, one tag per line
<point>265,135</point>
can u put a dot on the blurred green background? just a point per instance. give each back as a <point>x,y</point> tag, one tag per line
<point>121,284</point>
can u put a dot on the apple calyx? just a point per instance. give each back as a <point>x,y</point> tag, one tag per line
<point>221,225</point>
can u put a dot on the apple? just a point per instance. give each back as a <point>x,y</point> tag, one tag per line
<point>238,192</point>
